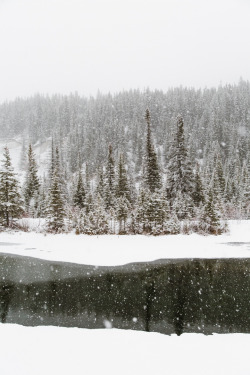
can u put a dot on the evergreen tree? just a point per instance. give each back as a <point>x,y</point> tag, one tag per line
<point>219,183</point>
<point>100,188</point>
<point>10,199</point>
<point>60,171</point>
<point>151,212</point>
<point>31,185</point>
<point>110,180</point>
<point>89,201</point>
<point>180,179</point>
<point>96,221</point>
<point>152,177</point>
<point>210,219</point>
<point>122,212</point>
<point>79,197</point>
<point>198,193</point>
<point>122,186</point>
<point>87,178</point>
<point>52,161</point>
<point>245,183</point>
<point>56,211</point>
<point>42,203</point>
<point>172,225</point>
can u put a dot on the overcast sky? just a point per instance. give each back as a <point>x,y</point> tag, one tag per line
<point>62,46</point>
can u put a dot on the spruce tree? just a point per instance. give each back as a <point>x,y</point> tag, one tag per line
<point>100,188</point>
<point>219,182</point>
<point>79,197</point>
<point>110,180</point>
<point>152,177</point>
<point>180,179</point>
<point>56,211</point>
<point>96,221</point>
<point>122,212</point>
<point>122,186</point>
<point>52,161</point>
<point>10,199</point>
<point>245,184</point>
<point>151,211</point>
<point>31,185</point>
<point>198,193</point>
<point>210,219</point>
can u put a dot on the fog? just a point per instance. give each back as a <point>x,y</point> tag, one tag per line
<point>64,46</point>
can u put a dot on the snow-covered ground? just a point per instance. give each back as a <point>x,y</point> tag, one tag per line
<point>64,351</point>
<point>118,250</point>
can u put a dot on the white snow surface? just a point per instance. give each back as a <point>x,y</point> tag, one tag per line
<point>64,351</point>
<point>111,250</point>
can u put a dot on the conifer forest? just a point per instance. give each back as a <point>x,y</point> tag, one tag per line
<point>134,162</point>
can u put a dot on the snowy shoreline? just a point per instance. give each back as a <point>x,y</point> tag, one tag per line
<point>111,250</point>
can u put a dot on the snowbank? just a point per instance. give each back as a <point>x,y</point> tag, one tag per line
<point>118,250</point>
<point>53,350</point>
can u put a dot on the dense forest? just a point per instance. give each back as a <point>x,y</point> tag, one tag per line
<point>133,162</point>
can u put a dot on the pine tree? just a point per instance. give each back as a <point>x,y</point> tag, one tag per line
<point>56,211</point>
<point>31,185</point>
<point>110,180</point>
<point>79,197</point>
<point>151,211</point>
<point>60,171</point>
<point>180,179</point>
<point>10,199</point>
<point>42,203</point>
<point>219,183</point>
<point>96,221</point>
<point>122,212</point>
<point>198,193</point>
<point>100,188</point>
<point>152,177</point>
<point>140,215</point>
<point>210,219</point>
<point>52,161</point>
<point>245,184</point>
<point>122,186</point>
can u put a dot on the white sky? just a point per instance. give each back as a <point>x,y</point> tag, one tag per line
<point>63,46</point>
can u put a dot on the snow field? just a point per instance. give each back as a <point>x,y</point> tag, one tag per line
<point>109,250</point>
<point>64,351</point>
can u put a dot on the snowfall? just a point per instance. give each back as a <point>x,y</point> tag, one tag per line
<point>55,350</point>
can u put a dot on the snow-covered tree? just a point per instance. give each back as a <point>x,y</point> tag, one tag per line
<point>110,180</point>
<point>210,219</point>
<point>31,184</point>
<point>151,212</point>
<point>96,221</point>
<point>122,185</point>
<point>198,192</point>
<point>79,197</point>
<point>56,210</point>
<point>122,210</point>
<point>180,179</point>
<point>11,205</point>
<point>152,177</point>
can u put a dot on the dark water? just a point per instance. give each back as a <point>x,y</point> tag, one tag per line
<point>167,296</point>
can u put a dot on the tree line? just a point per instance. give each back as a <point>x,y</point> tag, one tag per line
<point>159,199</point>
